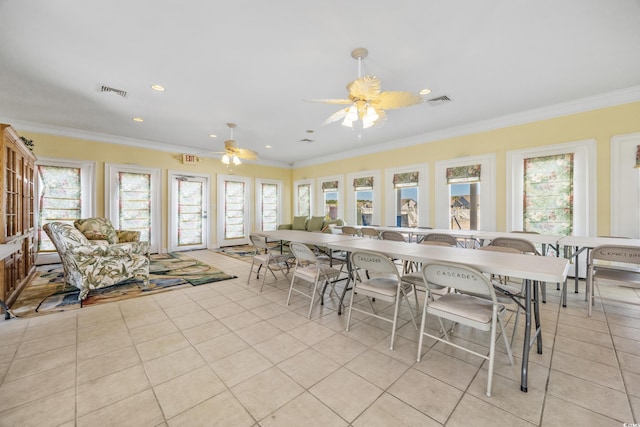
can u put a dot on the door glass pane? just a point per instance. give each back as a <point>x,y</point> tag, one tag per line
<point>465,206</point>
<point>60,199</point>
<point>269,207</point>
<point>304,200</point>
<point>364,207</point>
<point>331,205</point>
<point>134,211</point>
<point>234,210</point>
<point>190,215</point>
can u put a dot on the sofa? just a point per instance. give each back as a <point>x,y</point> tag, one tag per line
<point>100,231</point>
<point>314,224</point>
<point>89,265</point>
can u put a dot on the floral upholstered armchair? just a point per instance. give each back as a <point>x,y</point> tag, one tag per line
<point>101,231</point>
<point>90,266</point>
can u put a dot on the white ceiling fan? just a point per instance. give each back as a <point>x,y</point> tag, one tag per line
<point>232,153</point>
<point>367,103</point>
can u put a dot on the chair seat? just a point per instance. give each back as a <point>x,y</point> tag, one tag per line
<point>309,273</point>
<point>625,278</point>
<point>384,288</point>
<point>463,306</point>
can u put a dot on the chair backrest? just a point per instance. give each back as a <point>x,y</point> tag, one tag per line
<point>441,237</point>
<point>302,253</point>
<point>373,262</point>
<point>258,242</point>
<point>351,231</point>
<point>500,249</point>
<point>392,235</point>
<point>524,246</point>
<point>370,232</point>
<point>462,277</point>
<point>434,243</point>
<point>615,253</point>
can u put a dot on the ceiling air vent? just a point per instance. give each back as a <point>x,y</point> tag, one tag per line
<point>103,88</point>
<point>439,100</point>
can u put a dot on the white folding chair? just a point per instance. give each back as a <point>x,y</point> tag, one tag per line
<point>264,257</point>
<point>388,287</point>
<point>612,265</point>
<point>309,269</point>
<point>463,307</point>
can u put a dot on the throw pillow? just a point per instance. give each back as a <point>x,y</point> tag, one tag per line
<point>97,229</point>
<point>299,223</point>
<point>315,223</point>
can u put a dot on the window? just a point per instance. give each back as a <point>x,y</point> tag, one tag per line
<point>406,189</point>
<point>303,198</point>
<point>330,197</point>
<point>364,204</point>
<point>548,194</point>
<point>134,193</point>
<point>464,191</point>
<point>364,200</point>
<point>457,183</point>
<point>582,184</point>
<point>406,196</point>
<point>65,193</point>
<point>234,219</point>
<point>133,201</point>
<point>268,202</point>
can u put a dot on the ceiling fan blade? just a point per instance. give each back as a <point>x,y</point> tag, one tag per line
<point>332,101</point>
<point>338,115</point>
<point>244,153</point>
<point>365,88</point>
<point>397,99</point>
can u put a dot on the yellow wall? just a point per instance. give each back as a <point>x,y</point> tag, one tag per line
<point>77,149</point>
<point>600,125</point>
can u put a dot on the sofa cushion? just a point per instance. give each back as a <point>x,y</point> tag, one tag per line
<point>315,223</point>
<point>299,223</point>
<point>97,229</point>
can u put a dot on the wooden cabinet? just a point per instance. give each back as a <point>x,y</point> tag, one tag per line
<point>17,214</point>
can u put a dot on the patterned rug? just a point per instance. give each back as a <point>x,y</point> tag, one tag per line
<point>47,294</point>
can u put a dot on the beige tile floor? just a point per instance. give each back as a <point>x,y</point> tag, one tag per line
<point>225,354</point>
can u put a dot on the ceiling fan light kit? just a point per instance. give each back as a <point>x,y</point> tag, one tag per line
<point>367,103</point>
<point>232,154</point>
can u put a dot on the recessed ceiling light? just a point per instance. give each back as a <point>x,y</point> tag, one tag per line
<point>425,91</point>
<point>159,88</point>
<point>138,119</point>
<point>213,135</point>
<point>267,146</point>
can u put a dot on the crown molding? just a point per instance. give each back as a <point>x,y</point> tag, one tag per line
<point>610,99</point>
<point>122,140</point>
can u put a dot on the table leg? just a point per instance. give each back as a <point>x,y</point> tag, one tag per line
<point>536,314</point>
<point>350,276</point>
<point>527,336</point>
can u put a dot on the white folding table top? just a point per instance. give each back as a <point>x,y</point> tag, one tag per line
<point>546,239</point>
<point>306,237</point>
<point>593,241</point>
<point>545,269</point>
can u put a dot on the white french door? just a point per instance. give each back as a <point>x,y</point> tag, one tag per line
<point>188,219</point>
<point>234,220</point>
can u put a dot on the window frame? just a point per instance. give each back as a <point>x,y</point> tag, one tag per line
<point>111,200</point>
<point>87,192</point>
<point>258,201</point>
<point>487,163</point>
<point>321,198</point>
<point>625,186</point>
<point>584,183</point>
<point>423,192</point>
<point>296,184</point>
<point>376,217</point>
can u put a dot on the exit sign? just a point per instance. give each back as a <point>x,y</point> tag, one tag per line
<point>189,159</point>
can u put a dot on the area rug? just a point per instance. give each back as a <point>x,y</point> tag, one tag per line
<point>47,293</point>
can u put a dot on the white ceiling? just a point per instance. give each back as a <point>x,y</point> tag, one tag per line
<point>256,63</point>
